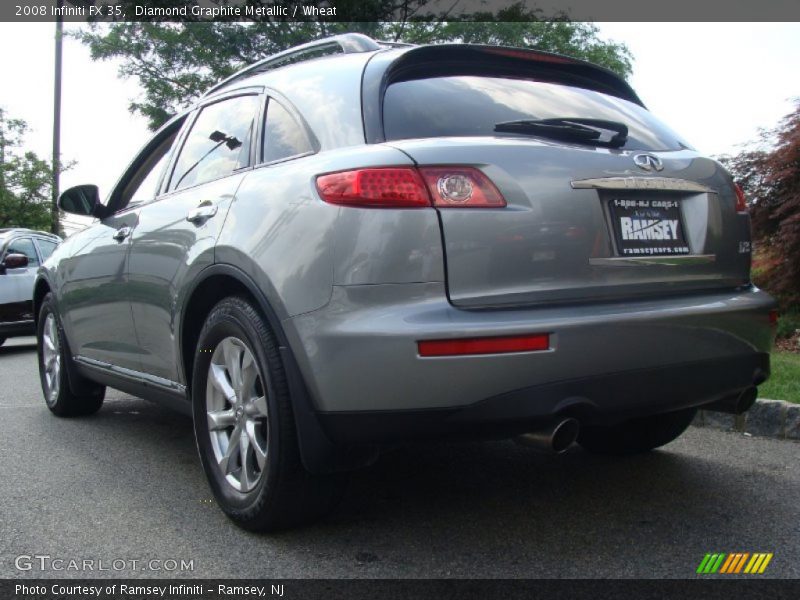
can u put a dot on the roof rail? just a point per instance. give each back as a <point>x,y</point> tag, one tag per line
<point>348,43</point>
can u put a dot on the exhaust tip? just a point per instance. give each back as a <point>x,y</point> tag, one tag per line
<point>556,438</point>
<point>564,435</point>
<point>759,377</point>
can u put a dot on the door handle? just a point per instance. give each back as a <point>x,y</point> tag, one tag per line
<point>204,211</point>
<point>122,233</point>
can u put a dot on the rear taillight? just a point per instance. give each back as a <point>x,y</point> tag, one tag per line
<point>461,187</point>
<point>774,315</point>
<point>485,345</point>
<point>409,187</point>
<point>741,201</point>
<point>385,187</point>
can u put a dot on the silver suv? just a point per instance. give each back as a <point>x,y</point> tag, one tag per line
<point>21,253</point>
<point>353,243</point>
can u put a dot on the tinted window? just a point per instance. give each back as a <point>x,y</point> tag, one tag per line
<point>144,185</point>
<point>24,246</point>
<point>283,135</point>
<point>467,106</point>
<point>218,144</point>
<point>46,248</point>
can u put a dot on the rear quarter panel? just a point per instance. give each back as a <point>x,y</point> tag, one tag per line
<point>296,247</point>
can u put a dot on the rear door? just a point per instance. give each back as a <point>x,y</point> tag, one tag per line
<point>176,232</point>
<point>582,221</point>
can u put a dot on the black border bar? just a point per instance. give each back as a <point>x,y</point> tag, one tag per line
<point>731,588</point>
<point>365,10</point>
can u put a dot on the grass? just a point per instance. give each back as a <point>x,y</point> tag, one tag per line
<point>784,383</point>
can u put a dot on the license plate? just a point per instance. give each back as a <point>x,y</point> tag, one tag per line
<point>648,227</point>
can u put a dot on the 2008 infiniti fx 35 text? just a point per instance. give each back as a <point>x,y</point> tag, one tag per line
<point>352,243</point>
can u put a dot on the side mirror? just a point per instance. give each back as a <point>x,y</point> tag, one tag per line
<point>14,261</point>
<point>83,200</point>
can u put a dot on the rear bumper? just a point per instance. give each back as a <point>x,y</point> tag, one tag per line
<point>358,355</point>
<point>593,400</point>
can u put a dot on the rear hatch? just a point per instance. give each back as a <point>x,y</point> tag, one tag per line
<point>584,219</point>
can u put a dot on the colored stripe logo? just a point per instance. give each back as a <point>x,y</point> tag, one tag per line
<point>738,562</point>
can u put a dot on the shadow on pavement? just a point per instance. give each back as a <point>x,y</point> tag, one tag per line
<point>8,350</point>
<point>458,503</point>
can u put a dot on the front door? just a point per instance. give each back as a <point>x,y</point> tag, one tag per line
<point>94,302</point>
<point>96,295</point>
<point>175,237</point>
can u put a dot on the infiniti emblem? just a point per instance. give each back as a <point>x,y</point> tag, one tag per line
<point>648,162</point>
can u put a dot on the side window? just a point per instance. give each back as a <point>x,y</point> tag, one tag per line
<point>283,135</point>
<point>46,248</point>
<point>24,246</point>
<point>218,144</point>
<point>147,189</point>
<point>142,185</point>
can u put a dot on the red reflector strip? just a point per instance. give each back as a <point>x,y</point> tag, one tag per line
<point>774,315</point>
<point>486,345</point>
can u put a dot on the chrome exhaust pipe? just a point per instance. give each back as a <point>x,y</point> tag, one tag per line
<point>554,438</point>
<point>735,404</point>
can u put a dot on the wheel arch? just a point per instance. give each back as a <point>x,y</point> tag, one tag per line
<point>218,281</point>
<point>212,284</point>
<point>40,289</point>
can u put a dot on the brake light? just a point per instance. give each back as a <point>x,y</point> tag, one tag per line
<point>461,187</point>
<point>409,187</point>
<point>384,187</point>
<point>741,201</point>
<point>531,55</point>
<point>486,345</point>
<point>774,315</point>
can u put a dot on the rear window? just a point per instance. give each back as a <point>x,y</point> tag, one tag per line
<point>471,106</point>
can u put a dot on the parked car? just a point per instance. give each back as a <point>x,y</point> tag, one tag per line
<point>21,253</point>
<point>352,243</point>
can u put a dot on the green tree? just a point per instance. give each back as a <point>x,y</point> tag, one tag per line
<point>25,180</point>
<point>176,62</point>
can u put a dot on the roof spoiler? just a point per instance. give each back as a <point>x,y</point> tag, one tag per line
<point>443,59</point>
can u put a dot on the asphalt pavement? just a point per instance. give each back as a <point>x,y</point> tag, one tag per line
<point>124,490</point>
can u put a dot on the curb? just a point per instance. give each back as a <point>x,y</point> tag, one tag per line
<point>766,418</point>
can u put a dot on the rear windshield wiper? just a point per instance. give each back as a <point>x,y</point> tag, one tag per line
<point>598,132</point>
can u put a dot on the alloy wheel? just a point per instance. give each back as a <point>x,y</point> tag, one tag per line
<point>237,412</point>
<point>51,358</point>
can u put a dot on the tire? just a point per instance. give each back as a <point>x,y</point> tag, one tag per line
<point>239,384</point>
<point>52,353</point>
<point>637,435</point>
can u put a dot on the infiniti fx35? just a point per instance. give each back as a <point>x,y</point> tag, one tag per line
<point>354,243</point>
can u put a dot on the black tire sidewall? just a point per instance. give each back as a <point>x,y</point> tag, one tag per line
<point>231,319</point>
